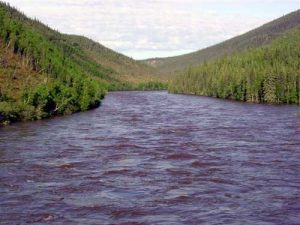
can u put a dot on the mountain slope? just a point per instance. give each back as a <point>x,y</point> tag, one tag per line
<point>120,65</point>
<point>45,73</point>
<point>127,68</point>
<point>255,38</point>
<point>268,74</point>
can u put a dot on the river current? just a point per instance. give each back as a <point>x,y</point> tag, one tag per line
<point>154,158</point>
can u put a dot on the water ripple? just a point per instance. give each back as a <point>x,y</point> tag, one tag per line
<point>154,158</point>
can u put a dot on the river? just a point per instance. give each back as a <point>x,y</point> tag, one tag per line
<point>154,158</point>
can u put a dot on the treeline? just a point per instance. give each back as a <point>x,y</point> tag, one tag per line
<point>53,98</point>
<point>142,86</point>
<point>269,74</point>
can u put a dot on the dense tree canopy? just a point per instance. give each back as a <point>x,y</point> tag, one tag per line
<point>268,74</point>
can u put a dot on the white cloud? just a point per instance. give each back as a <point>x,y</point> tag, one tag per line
<point>147,28</point>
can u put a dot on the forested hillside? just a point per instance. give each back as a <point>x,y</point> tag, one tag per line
<point>268,74</point>
<point>45,73</point>
<point>253,39</point>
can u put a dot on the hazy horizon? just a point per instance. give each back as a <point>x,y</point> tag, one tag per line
<point>155,28</point>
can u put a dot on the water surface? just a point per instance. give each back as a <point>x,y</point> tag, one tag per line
<point>154,158</point>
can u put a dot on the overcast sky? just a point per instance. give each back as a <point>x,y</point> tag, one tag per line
<point>155,28</point>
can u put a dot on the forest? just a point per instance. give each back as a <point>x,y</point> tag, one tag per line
<point>268,74</point>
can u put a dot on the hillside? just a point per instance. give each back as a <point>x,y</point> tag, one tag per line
<point>252,39</point>
<point>45,73</point>
<point>268,74</point>
<point>128,69</point>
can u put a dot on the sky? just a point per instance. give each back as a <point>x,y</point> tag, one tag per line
<point>155,28</point>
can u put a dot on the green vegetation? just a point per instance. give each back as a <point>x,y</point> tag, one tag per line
<point>253,39</point>
<point>66,87</point>
<point>141,86</point>
<point>269,74</point>
<point>152,85</point>
<point>45,73</point>
<point>50,99</point>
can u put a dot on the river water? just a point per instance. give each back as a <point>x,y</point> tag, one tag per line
<point>154,158</point>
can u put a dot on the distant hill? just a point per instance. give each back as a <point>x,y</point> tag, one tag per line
<point>45,73</point>
<point>252,39</point>
<point>124,68</point>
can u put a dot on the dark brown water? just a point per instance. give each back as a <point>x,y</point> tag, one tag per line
<point>154,158</point>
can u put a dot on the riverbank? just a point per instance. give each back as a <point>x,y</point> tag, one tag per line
<point>53,100</point>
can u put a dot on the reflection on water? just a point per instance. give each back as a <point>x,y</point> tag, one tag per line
<point>154,158</point>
